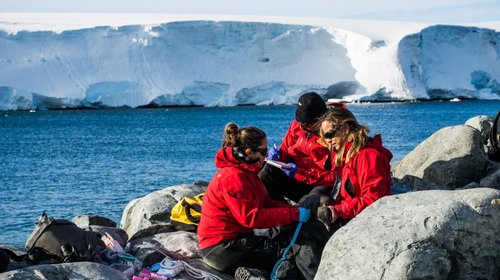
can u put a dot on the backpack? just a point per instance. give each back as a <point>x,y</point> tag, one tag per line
<point>495,139</point>
<point>186,214</point>
<point>62,241</point>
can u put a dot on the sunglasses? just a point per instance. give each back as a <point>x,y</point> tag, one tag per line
<point>262,151</point>
<point>331,133</point>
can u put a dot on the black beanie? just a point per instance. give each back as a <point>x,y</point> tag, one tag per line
<point>309,108</point>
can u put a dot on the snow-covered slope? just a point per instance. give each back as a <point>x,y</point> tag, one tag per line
<point>225,63</point>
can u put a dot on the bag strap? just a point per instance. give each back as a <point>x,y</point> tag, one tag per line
<point>188,207</point>
<point>41,229</point>
<point>294,238</point>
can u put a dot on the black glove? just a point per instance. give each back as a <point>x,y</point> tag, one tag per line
<point>326,215</point>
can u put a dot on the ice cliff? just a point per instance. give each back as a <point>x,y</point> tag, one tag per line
<point>226,63</point>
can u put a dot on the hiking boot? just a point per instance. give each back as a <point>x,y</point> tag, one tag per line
<point>244,273</point>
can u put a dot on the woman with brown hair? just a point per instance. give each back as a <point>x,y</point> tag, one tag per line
<point>236,205</point>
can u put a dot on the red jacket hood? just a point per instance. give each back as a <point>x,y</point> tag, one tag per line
<point>225,158</point>
<point>376,143</point>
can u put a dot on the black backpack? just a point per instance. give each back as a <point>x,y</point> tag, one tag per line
<point>62,241</point>
<point>495,139</point>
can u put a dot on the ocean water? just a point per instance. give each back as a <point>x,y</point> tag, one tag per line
<point>96,161</point>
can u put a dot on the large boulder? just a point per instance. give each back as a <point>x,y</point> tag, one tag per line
<point>69,271</point>
<point>452,157</point>
<point>155,208</point>
<point>483,124</point>
<point>434,234</point>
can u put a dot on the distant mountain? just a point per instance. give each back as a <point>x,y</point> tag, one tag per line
<point>228,63</point>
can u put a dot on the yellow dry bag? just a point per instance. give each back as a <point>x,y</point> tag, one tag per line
<point>186,214</point>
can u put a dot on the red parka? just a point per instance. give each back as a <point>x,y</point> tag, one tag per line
<point>365,178</point>
<point>292,134</point>
<point>302,148</point>
<point>236,202</point>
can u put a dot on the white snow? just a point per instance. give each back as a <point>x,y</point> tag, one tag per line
<point>68,60</point>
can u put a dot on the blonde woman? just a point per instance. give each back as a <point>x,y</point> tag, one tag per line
<point>363,165</point>
<point>363,161</point>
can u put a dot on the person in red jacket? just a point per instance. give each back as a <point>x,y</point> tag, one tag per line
<point>309,160</point>
<point>365,177</point>
<point>365,163</point>
<point>236,206</point>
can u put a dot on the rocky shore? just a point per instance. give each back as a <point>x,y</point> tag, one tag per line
<point>440,223</point>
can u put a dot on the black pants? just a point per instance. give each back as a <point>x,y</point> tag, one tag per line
<point>279,185</point>
<point>303,260</point>
<point>246,250</point>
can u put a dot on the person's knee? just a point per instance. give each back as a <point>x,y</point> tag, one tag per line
<point>307,259</point>
<point>217,265</point>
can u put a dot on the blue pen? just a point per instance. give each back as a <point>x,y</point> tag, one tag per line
<point>274,144</point>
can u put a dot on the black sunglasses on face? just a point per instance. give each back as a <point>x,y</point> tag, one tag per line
<point>262,151</point>
<point>331,133</point>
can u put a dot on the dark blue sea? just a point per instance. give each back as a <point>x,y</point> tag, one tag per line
<point>96,161</point>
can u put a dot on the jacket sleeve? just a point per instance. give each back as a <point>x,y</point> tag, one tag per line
<point>287,142</point>
<point>371,170</point>
<point>248,209</point>
<point>271,203</point>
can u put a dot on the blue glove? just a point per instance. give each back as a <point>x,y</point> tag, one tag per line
<point>305,214</point>
<point>274,153</point>
<point>290,171</point>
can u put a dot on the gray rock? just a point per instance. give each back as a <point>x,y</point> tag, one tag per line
<point>452,157</point>
<point>84,221</point>
<point>419,235</point>
<point>483,124</point>
<point>70,271</point>
<point>491,181</point>
<point>152,230</point>
<point>399,187</point>
<point>418,184</point>
<point>155,208</point>
<point>201,183</point>
<point>471,185</point>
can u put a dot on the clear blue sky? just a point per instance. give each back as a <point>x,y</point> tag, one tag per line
<point>437,11</point>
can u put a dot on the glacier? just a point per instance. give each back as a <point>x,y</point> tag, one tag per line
<point>228,63</point>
